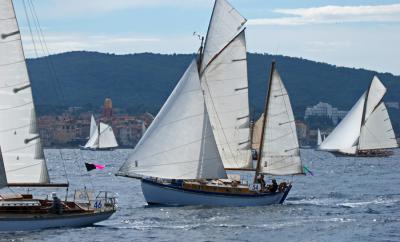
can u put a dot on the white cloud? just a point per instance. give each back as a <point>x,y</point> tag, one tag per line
<point>70,8</point>
<point>333,14</point>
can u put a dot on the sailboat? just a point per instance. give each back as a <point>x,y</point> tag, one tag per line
<point>101,137</point>
<point>319,138</point>
<point>22,161</point>
<point>366,130</point>
<point>202,130</point>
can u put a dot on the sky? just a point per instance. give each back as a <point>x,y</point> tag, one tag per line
<point>351,33</point>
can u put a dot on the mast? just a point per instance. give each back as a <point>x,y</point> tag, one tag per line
<point>363,115</point>
<point>258,167</point>
<point>98,136</point>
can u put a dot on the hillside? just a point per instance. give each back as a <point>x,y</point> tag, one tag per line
<point>142,82</point>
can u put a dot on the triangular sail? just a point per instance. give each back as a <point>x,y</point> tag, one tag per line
<point>19,139</point>
<point>345,135</point>
<point>256,135</point>
<point>319,141</point>
<point>280,151</point>
<point>107,137</point>
<point>93,126</point>
<point>377,132</point>
<point>179,144</point>
<point>225,87</point>
<point>225,23</point>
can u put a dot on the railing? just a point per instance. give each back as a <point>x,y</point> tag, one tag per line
<point>103,202</point>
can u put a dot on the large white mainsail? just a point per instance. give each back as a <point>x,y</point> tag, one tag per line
<point>19,139</point>
<point>107,137</point>
<point>280,152</point>
<point>179,144</point>
<point>225,86</point>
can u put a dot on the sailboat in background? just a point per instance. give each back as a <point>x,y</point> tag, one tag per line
<point>319,138</point>
<point>22,161</point>
<point>202,130</point>
<point>101,137</point>
<point>366,130</point>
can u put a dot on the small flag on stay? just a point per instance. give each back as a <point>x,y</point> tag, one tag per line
<point>90,166</point>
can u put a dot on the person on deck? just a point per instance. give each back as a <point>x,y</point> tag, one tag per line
<point>274,186</point>
<point>260,180</point>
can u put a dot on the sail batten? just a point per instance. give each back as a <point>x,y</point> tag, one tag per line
<point>23,159</point>
<point>179,144</point>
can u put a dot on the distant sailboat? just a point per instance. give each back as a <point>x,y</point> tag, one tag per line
<point>203,130</point>
<point>101,137</point>
<point>22,161</point>
<point>319,138</point>
<point>366,130</point>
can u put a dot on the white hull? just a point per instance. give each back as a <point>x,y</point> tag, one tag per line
<point>165,195</point>
<point>55,221</point>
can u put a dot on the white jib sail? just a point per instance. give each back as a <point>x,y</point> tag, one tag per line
<point>93,126</point>
<point>107,137</point>
<point>377,132</point>
<point>225,87</point>
<point>19,139</point>
<point>280,153</point>
<point>179,144</point>
<point>319,141</point>
<point>225,23</point>
<point>345,135</point>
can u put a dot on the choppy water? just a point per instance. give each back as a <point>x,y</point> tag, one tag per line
<point>347,199</point>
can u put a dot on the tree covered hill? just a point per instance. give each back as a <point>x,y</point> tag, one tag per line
<point>142,82</point>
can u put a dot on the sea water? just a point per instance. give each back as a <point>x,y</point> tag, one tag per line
<point>347,199</point>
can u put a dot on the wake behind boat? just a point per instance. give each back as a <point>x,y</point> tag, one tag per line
<point>202,130</point>
<point>22,161</point>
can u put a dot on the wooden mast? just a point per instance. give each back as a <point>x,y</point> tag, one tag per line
<point>260,150</point>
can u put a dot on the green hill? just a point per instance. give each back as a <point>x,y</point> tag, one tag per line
<point>142,82</point>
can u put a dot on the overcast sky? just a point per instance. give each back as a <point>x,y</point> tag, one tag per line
<point>351,33</point>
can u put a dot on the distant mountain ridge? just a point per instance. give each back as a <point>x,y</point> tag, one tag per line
<point>142,82</point>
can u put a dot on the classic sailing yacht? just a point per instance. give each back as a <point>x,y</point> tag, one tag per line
<point>203,130</point>
<point>101,137</point>
<point>366,130</point>
<point>22,161</point>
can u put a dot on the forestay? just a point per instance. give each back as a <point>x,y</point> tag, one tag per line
<point>19,139</point>
<point>225,86</point>
<point>224,25</point>
<point>179,144</point>
<point>280,151</point>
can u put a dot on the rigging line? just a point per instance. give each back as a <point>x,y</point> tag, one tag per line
<point>22,105</point>
<point>49,60</point>
<point>65,169</point>
<point>30,29</point>
<point>78,165</point>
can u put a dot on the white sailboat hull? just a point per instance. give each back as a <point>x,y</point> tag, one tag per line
<point>159,194</point>
<point>55,221</point>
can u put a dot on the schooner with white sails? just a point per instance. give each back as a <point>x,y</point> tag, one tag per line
<point>366,130</point>
<point>202,130</point>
